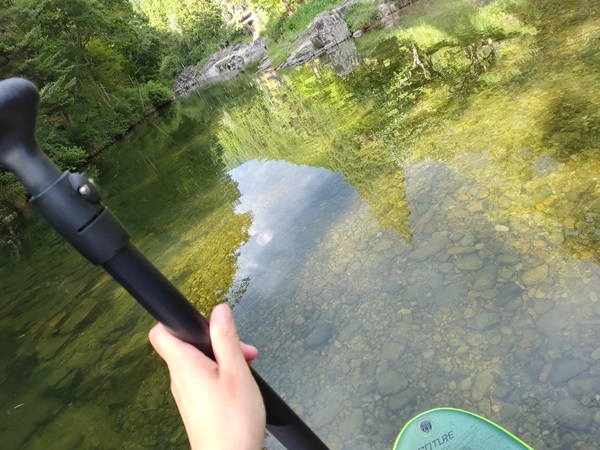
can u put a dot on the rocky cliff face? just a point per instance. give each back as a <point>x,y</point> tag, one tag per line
<point>222,66</point>
<point>326,30</point>
<point>329,29</point>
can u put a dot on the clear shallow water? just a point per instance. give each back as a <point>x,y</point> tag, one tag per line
<point>386,254</point>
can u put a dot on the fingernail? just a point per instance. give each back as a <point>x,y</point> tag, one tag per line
<point>221,314</point>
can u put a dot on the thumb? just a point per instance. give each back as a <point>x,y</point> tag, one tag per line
<point>225,341</point>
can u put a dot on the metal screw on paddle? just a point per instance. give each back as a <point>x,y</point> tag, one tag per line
<point>70,204</point>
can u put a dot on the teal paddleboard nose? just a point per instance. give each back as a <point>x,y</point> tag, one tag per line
<point>455,429</point>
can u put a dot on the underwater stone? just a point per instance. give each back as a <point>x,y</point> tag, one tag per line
<point>430,248</point>
<point>554,321</point>
<point>507,260</point>
<point>392,286</point>
<point>446,267</point>
<point>580,387</point>
<point>402,399</point>
<point>542,306</point>
<point>326,413</point>
<point>470,262</point>
<point>352,425</point>
<point>487,278</point>
<point>392,351</point>
<point>449,295</point>
<point>579,192</point>
<point>487,320</point>
<point>509,292</point>
<point>535,275</point>
<point>349,331</point>
<point>361,246</point>
<point>567,368</point>
<point>461,250</point>
<point>319,336</point>
<point>572,414</point>
<point>539,194</point>
<point>481,386</point>
<point>391,382</point>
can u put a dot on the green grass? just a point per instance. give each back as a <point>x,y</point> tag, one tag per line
<point>360,16</point>
<point>297,22</point>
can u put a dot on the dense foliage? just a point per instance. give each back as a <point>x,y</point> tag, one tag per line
<point>193,30</point>
<point>96,65</point>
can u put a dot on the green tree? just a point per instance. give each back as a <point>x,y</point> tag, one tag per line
<point>96,64</point>
<point>194,28</point>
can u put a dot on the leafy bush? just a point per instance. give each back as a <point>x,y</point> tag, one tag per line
<point>171,67</point>
<point>68,158</point>
<point>158,94</point>
<point>274,27</point>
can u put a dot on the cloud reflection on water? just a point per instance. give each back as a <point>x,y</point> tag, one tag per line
<point>291,207</point>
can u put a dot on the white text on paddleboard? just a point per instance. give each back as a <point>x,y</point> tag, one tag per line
<point>438,442</point>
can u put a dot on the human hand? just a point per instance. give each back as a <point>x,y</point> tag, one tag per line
<point>219,402</point>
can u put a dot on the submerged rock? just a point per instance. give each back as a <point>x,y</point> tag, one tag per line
<point>469,262</point>
<point>319,336</point>
<point>536,275</point>
<point>569,413</point>
<point>487,320</point>
<point>487,278</point>
<point>389,383</point>
<point>507,260</point>
<point>402,399</point>
<point>430,248</point>
<point>507,293</point>
<point>481,386</point>
<point>554,321</point>
<point>566,369</point>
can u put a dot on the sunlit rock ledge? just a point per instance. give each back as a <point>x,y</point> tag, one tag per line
<point>222,66</point>
<point>325,32</point>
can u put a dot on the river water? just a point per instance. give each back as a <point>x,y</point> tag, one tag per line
<point>394,237</point>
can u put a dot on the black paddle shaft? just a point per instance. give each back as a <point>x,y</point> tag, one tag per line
<point>71,204</point>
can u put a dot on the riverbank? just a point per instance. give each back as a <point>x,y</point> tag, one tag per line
<point>282,50</point>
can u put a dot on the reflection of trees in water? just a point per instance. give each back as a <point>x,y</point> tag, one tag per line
<point>171,190</point>
<point>287,123</point>
<point>471,86</point>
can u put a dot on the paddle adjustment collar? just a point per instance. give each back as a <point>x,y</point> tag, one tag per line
<point>72,205</point>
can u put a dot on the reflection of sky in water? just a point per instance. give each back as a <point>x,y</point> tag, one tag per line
<point>290,207</point>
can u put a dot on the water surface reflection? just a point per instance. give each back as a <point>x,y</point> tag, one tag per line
<point>485,310</point>
<point>292,207</point>
<point>393,242</point>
